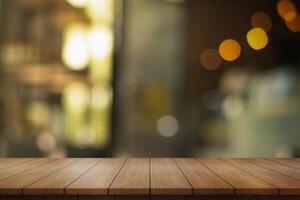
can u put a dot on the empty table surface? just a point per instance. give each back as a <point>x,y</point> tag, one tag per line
<point>149,176</point>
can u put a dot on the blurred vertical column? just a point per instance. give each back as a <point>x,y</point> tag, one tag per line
<point>88,105</point>
<point>149,80</point>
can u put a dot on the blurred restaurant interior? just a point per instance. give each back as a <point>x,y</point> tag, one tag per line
<point>103,78</point>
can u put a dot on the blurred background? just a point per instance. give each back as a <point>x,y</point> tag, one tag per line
<point>100,78</point>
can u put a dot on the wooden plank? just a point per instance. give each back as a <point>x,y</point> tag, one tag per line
<point>12,162</point>
<point>133,179</point>
<point>203,180</point>
<point>287,161</point>
<point>286,185</point>
<point>15,184</point>
<point>167,178</point>
<point>6,159</point>
<point>22,167</point>
<point>58,181</point>
<point>283,169</point>
<point>97,180</point>
<point>243,182</point>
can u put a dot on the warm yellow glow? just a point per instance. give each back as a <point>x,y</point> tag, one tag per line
<point>78,3</point>
<point>100,10</point>
<point>210,59</point>
<point>286,9</point>
<point>75,52</point>
<point>101,97</point>
<point>230,50</point>
<point>257,38</point>
<point>38,113</point>
<point>76,96</point>
<point>294,25</point>
<point>101,45</point>
<point>85,136</point>
<point>101,42</point>
<point>261,20</point>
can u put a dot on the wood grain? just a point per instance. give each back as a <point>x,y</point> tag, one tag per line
<point>243,182</point>
<point>15,184</point>
<point>285,184</point>
<point>133,178</point>
<point>98,179</point>
<point>58,181</point>
<point>12,162</point>
<point>203,180</point>
<point>18,168</point>
<point>287,162</point>
<point>283,169</point>
<point>167,178</point>
<point>144,178</point>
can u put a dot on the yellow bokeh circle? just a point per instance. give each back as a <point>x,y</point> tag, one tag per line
<point>257,38</point>
<point>230,49</point>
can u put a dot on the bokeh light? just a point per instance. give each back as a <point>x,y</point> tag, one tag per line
<point>230,50</point>
<point>286,9</point>
<point>85,136</point>
<point>76,96</point>
<point>100,41</point>
<point>101,97</point>
<point>210,59</point>
<point>46,142</point>
<point>232,107</point>
<point>261,20</point>
<point>167,126</point>
<point>257,38</point>
<point>75,52</point>
<point>100,10</point>
<point>78,3</point>
<point>294,25</point>
<point>38,113</point>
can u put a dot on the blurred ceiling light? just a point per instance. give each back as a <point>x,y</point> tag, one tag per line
<point>210,59</point>
<point>101,97</point>
<point>257,38</point>
<point>46,142</point>
<point>76,97</point>
<point>230,49</point>
<point>261,20</point>
<point>78,3</point>
<point>100,41</point>
<point>286,9</point>
<point>167,126</point>
<point>294,25</point>
<point>75,52</point>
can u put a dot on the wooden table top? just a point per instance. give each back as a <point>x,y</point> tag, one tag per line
<point>149,176</point>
